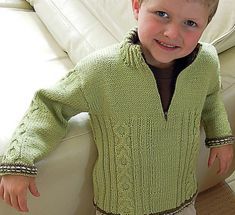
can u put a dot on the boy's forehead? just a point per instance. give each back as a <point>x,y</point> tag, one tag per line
<point>205,2</point>
<point>192,9</point>
<point>210,5</point>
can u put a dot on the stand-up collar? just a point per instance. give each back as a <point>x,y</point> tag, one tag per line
<point>131,50</point>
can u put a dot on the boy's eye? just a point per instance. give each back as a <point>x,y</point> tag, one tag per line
<point>191,23</point>
<point>162,14</point>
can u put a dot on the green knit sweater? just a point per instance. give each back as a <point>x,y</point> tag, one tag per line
<point>146,162</point>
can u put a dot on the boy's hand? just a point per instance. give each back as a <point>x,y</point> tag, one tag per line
<point>225,156</point>
<point>13,190</point>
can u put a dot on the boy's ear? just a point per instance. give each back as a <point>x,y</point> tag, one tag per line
<point>135,8</point>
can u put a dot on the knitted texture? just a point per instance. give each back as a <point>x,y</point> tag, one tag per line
<point>146,163</point>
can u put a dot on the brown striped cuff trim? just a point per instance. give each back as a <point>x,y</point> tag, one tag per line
<point>219,141</point>
<point>18,169</point>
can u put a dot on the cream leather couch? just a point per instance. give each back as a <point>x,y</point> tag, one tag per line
<point>39,44</point>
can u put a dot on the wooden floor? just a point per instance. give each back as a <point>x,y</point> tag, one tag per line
<point>219,200</point>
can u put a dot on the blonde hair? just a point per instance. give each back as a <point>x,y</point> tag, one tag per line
<point>211,4</point>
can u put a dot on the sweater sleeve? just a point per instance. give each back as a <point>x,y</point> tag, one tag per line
<point>214,116</point>
<point>44,125</point>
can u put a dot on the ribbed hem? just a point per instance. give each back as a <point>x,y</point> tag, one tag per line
<point>166,212</point>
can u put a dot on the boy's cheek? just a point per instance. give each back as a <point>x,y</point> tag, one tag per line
<point>191,41</point>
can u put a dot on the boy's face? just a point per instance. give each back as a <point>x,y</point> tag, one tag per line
<point>169,29</point>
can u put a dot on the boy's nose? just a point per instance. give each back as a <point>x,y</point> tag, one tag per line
<point>172,31</point>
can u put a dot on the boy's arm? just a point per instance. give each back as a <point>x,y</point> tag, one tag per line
<point>214,116</point>
<point>43,125</point>
<point>40,130</point>
<point>217,128</point>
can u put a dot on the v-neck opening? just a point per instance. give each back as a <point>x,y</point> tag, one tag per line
<point>166,113</point>
<point>132,56</point>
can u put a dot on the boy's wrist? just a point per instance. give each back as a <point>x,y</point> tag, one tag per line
<point>18,169</point>
<point>220,141</point>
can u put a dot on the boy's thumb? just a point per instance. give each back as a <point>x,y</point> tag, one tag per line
<point>33,189</point>
<point>211,160</point>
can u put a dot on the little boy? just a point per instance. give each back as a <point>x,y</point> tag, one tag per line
<point>146,98</point>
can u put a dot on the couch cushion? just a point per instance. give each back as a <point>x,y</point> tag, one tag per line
<point>20,4</point>
<point>221,30</point>
<point>82,26</point>
<point>228,68</point>
<point>26,64</point>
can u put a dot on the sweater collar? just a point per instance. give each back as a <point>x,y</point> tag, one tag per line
<point>131,51</point>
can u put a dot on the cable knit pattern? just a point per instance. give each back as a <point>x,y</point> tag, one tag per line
<point>146,163</point>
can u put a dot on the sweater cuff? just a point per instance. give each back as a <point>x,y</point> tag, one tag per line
<point>17,169</point>
<point>219,141</point>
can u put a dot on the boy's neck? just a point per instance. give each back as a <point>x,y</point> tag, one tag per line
<point>164,67</point>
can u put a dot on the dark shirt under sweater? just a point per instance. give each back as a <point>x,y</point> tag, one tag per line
<point>166,79</point>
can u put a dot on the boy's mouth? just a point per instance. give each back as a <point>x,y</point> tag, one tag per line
<point>165,45</point>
